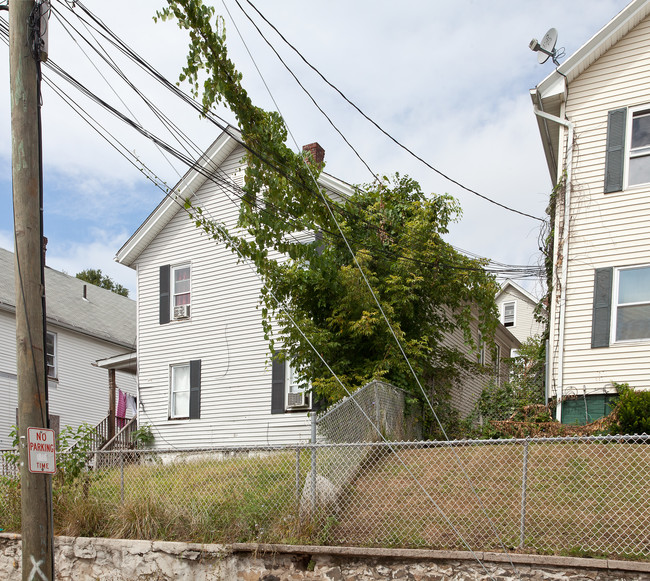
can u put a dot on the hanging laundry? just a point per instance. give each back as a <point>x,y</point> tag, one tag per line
<point>132,404</point>
<point>120,413</point>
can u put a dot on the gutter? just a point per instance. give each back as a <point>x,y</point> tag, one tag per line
<point>565,250</point>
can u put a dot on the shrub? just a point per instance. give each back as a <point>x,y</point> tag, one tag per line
<point>632,411</point>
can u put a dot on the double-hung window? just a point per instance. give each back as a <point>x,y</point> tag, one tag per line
<point>621,305</point>
<point>50,355</point>
<point>181,288</point>
<point>180,391</point>
<point>175,292</point>
<point>289,391</point>
<point>639,148</point>
<point>631,315</point>
<point>627,158</point>
<point>509,314</point>
<point>185,390</point>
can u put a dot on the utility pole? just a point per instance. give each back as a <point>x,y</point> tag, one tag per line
<point>36,489</point>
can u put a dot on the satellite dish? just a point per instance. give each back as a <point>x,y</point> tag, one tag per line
<point>547,46</point>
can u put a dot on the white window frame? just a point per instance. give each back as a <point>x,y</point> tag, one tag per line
<point>173,390</point>
<point>514,314</point>
<point>292,384</point>
<point>55,362</point>
<point>481,349</point>
<point>631,112</point>
<point>615,305</point>
<point>497,363</point>
<point>172,287</point>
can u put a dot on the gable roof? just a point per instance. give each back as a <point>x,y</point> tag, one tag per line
<point>549,95</point>
<point>513,285</point>
<point>103,314</point>
<point>189,184</point>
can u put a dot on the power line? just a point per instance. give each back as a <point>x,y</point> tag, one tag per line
<point>373,122</point>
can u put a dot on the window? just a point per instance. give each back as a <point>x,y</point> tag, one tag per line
<point>621,305</point>
<point>181,291</point>
<point>632,313</point>
<point>185,390</point>
<point>50,355</point>
<point>481,349</point>
<point>289,392</point>
<point>174,292</point>
<point>627,158</point>
<point>639,148</point>
<point>497,364</point>
<point>509,314</point>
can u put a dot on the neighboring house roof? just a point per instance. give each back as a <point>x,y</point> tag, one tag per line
<point>189,184</point>
<point>511,284</point>
<point>102,314</point>
<point>550,93</point>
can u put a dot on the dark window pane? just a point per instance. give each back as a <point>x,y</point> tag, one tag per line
<point>634,286</point>
<point>639,170</point>
<point>641,130</point>
<point>633,323</point>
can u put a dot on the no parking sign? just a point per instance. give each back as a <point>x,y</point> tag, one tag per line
<point>41,451</point>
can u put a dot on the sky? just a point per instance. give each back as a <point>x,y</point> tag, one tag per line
<point>450,80</point>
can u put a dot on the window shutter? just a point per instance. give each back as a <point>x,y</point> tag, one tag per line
<point>164,294</point>
<point>195,389</point>
<point>602,307</point>
<point>615,155</point>
<point>278,373</point>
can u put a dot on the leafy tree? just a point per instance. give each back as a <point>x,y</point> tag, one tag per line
<point>95,276</point>
<point>426,289</point>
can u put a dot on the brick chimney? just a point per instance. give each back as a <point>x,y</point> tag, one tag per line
<point>317,152</point>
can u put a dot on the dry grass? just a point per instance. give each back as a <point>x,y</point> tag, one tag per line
<point>582,498</point>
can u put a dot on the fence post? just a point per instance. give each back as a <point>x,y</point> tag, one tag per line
<point>523,496</point>
<point>313,463</point>
<point>298,477</point>
<point>121,453</point>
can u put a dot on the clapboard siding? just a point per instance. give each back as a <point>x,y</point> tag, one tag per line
<point>81,393</point>
<point>525,323</point>
<point>607,230</point>
<point>224,332</point>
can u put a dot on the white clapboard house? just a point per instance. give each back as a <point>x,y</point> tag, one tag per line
<point>84,323</point>
<point>594,121</point>
<point>205,375</point>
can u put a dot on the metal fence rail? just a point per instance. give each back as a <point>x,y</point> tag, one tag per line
<point>581,495</point>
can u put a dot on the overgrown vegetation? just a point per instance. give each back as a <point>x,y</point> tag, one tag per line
<point>425,288</point>
<point>631,414</point>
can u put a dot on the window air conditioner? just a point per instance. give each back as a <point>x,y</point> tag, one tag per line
<point>181,312</point>
<point>297,400</point>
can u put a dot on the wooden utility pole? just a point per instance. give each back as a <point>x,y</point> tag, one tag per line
<point>36,489</point>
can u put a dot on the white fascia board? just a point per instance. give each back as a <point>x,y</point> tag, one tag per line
<point>596,46</point>
<point>514,285</point>
<point>124,361</point>
<point>165,211</point>
<point>335,186</point>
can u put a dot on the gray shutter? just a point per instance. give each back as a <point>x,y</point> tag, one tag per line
<point>277,384</point>
<point>602,310</point>
<point>195,389</point>
<point>615,155</point>
<point>164,294</point>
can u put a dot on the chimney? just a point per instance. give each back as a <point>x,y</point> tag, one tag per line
<point>317,152</point>
<point>44,249</point>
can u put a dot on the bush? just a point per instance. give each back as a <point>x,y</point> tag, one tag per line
<point>632,411</point>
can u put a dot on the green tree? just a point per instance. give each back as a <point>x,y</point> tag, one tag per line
<point>426,289</point>
<point>96,277</point>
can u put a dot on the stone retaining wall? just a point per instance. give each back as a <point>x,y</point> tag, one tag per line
<point>122,560</point>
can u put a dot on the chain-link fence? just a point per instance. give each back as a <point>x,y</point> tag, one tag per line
<point>580,496</point>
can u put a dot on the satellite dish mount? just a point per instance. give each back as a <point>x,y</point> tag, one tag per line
<point>546,48</point>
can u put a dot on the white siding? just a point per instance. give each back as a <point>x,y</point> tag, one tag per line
<point>81,392</point>
<point>525,323</point>
<point>224,332</point>
<point>607,230</point>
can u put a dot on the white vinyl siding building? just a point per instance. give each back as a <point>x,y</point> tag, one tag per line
<point>78,391</point>
<point>517,311</point>
<point>592,346</point>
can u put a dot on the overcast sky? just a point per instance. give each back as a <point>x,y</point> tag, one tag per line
<point>448,79</point>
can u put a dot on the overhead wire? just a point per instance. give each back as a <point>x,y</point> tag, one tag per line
<point>373,122</point>
<point>390,327</point>
<point>73,81</point>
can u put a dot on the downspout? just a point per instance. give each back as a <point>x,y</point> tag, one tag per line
<point>565,251</point>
